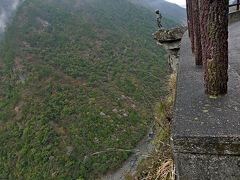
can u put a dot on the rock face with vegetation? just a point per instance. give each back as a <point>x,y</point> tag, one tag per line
<point>78,80</point>
<point>169,35</point>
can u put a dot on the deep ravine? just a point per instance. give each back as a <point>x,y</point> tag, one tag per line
<point>143,149</point>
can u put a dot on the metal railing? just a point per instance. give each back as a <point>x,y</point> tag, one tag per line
<point>236,4</point>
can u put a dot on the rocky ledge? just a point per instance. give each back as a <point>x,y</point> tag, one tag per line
<point>170,40</point>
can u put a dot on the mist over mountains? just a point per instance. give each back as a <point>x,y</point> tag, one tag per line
<point>7,7</point>
<point>169,10</point>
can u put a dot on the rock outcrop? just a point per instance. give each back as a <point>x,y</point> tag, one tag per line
<point>170,40</point>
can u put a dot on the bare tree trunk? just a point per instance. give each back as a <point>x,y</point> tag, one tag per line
<point>188,17</point>
<point>214,35</point>
<point>190,22</point>
<point>197,33</point>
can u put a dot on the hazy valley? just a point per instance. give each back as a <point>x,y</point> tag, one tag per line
<point>77,78</point>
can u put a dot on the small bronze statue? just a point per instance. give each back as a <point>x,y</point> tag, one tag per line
<point>159,19</point>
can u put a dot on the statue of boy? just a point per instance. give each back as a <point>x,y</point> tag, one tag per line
<point>159,19</point>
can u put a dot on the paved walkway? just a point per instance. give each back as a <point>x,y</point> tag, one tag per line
<point>234,46</point>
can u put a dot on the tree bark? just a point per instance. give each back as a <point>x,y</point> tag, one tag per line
<point>214,35</point>
<point>188,17</point>
<point>197,33</point>
<point>190,23</point>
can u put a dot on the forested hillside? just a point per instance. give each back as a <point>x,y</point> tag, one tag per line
<point>78,80</point>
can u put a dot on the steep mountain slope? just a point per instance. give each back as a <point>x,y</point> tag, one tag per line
<point>78,80</point>
<point>170,10</point>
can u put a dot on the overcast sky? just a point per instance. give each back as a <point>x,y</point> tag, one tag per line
<point>179,2</point>
<point>183,2</point>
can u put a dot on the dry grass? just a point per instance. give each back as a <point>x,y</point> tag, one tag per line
<point>160,165</point>
<point>166,170</point>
